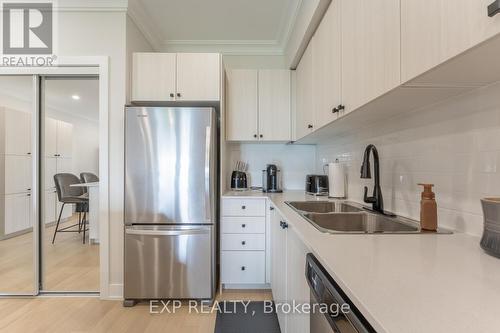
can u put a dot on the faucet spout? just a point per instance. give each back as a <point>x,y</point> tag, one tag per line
<point>376,199</point>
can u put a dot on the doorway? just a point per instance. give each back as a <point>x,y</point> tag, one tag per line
<point>49,127</point>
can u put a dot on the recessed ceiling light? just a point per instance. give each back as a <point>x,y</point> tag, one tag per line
<point>75,97</point>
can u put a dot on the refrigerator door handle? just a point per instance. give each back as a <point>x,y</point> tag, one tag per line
<point>208,153</point>
<point>167,232</point>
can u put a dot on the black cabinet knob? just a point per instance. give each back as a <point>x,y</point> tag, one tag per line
<point>283,225</point>
<point>28,153</point>
<point>271,208</point>
<point>261,136</point>
<point>255,135</point>
<point>178,94</point>
<point>242,268</point>
<point>243,243</point>
<point>341,107</point>
<point>335,110</point>
<point>172,95</point>
<point>243,207</point>
<point>243,225</point>
<point>309,126</point>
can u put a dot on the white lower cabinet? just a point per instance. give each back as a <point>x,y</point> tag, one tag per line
<point>50,206</point>
<point>17,215</point>
<point>288,281</point>
<point>243,242</point>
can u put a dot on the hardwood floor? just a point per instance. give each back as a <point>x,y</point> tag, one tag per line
<point>69,265</point>
<point>93,315</point>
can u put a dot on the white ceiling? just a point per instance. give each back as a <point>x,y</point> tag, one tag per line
<point>232,26</point>
<point>58,94</point>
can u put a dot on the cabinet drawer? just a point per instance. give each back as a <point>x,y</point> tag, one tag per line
<point>243,267</point>
<point>243,225</point>
<point>243,242</point>
<point>244,207</point>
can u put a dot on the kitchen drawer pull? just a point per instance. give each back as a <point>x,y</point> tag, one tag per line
<point>243,207</point>
<point>242,268</point>
<point>243,243</point>
<point>243,225</point>
<point>172,95</point>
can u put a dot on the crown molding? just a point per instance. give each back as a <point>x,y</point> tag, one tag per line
<point>91,5</point>
<point>288,24</point>
<point>143,22</point>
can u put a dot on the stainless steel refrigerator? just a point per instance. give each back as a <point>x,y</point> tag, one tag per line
<point>170,200</point>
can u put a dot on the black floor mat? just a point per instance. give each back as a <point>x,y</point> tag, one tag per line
<point>234,318</point>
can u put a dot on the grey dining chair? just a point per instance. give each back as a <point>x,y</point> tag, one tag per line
<point>71,195</point>
<point>88,177</point>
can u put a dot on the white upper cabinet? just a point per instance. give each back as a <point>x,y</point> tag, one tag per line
<point>370,50</point>
<point>198,76</point>
<point>304,111</point>
<point>258,105</point>
<point>241,105</point>
<point>153,76</point>
<point>176,77</point>
<point>327,66</point>
<point>17,129</point>
<point>274,105</point>
<point>434,31</point>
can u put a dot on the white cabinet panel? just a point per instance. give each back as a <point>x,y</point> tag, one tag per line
<point>243,207</point>
<point>241,105</point>
<point>198,77</point>
<point>50,200</point>
<point>153,76</point>
<point>278,264</point>
<point>17,132</point>
<point>17,174</point>
<point>304,112</point>
<point>297,287</point>
<point>327,66</point>
<point>64,139</point>
<point>240,267</point>
<point>64,165</point>
<point>17,212</point>
<point>274,105</point>
<point>50,137</point>
<point>50,169</point>
<point>370,50</point>
<point>243,225</point>
<point>243,242</point>
<point>434,31</point>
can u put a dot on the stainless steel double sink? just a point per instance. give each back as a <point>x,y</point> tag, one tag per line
<point>348,217</point>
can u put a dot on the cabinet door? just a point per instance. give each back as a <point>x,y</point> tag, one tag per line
<point>451,27</point>
<point>327,70</point>
<point>274,105</point>
<point>18,175</point>
<point>304,113</point>
<point>50,137</point>
<point>370,50</point>
<point>17,132</point>
<point>64,165</point>
<point>50,200</point>
<point>279,272</point>
<point>297,287</point>
<point>17,212</point>
<point>153,76</point>
<point>198,77</point>
<point>50,169</point>
<point>241,105</point>
<point>64,139</point>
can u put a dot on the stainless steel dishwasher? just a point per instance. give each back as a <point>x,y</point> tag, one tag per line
<point>331,310</point>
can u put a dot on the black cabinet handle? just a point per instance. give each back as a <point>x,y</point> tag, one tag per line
<point>243,225</point>
<point>255,135</point>
<point>341,107</point>
<point>309,126</point>
<point>243,207</point>
<point>243,243</point>
<point>242,268</point>
<point>261,136</point>
<point>28,189</point>
<point>28,195</point>
<point>335,110</point>
<point>172,95</point>
<point>178,94</point>
<point>28,153</point>
<point>494,8</point>
<point>283,225</point>
<point>271,208</point>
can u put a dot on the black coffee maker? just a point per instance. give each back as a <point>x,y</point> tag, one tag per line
<point>271,179</point>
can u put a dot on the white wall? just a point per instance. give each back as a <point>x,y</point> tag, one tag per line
<point>294,161</point>
<point>454,144</point>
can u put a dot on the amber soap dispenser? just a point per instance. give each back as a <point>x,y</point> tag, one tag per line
<point>428,209</point>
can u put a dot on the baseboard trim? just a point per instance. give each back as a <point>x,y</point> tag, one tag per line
<point>226,286</point>
<point>115,291</point>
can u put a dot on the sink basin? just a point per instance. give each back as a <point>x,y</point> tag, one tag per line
<point>358,223</point>
<point>323,207</point>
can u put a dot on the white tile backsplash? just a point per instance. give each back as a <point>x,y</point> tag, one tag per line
<point>294,161</point>
<point>454,144</point>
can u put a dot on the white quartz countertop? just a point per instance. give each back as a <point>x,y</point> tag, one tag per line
<point>405,283</point>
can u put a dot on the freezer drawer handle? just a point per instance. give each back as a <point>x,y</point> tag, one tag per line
<point>166,232</point>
